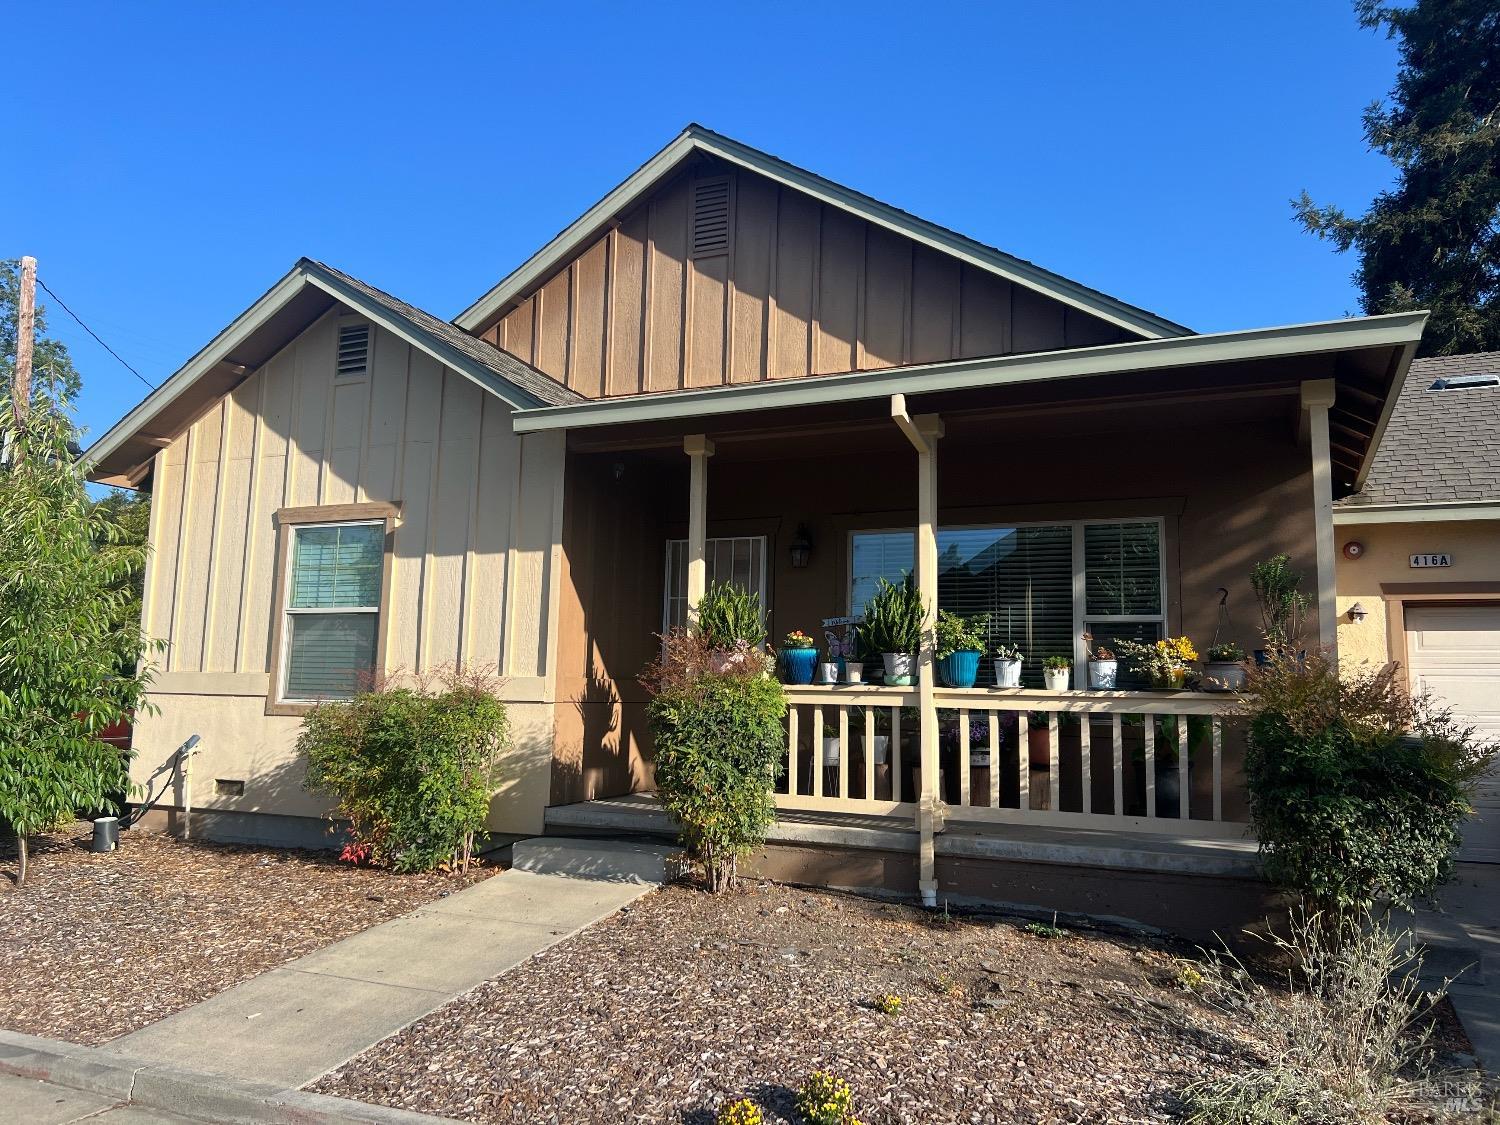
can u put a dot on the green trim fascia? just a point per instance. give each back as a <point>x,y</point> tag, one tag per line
<point>696,138</point>
<point>1391,330</point>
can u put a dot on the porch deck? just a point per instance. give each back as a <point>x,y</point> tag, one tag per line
<point>1102,847</point>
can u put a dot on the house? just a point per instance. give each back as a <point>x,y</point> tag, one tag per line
<point>726,358</point>
<point>1419,554</point>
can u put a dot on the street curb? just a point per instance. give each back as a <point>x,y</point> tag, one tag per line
<point>96,1070</point>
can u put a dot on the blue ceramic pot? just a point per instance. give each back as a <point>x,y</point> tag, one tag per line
<point>959,669</point>
<point>800,663</point>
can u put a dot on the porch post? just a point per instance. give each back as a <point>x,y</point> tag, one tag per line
<point>923,431</point>
<point>1317,396</point>
<point>699,449</point>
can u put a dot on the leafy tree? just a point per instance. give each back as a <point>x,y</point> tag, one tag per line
<point>53,373</point>
<point>65,633</point>
<point>1433,240</point>
<point>131,513</point>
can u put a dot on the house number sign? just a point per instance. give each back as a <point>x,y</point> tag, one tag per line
<point>1421,562</point>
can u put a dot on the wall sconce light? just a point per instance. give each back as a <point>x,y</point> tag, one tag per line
<point>1357,613</point>
<point>801,547</point>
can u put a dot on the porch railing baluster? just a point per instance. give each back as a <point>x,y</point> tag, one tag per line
<point>896,755</point>
<point>994,760</point>
<point>1085,745</point>
<point>817,751</point>
<point>1023,761</point>
<point>843,752</point>
<point>1148,726</point>
<point>963,756</point>
<point>791,750</point>
<point>1118,747</point>
<point>1218,734</point>
<point>1184,777</point>
<point>1054,768</point>
<point>870,753</point>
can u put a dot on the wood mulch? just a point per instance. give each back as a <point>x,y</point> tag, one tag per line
<point>95,946</point>
<point>668,1008</point>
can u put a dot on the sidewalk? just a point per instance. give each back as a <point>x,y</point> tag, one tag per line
<point>1472,902</point>
<point>290,1025</point>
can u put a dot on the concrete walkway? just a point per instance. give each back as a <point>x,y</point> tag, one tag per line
<point>1471,904</point>
<point>290,1025</point>
<point>35,1102</point>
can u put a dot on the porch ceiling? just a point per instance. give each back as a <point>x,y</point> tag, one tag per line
<point>1233,376</point>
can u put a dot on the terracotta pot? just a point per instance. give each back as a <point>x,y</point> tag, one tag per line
<point>1038,747</point>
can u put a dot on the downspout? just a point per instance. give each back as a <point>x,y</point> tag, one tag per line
<point>923,431</point>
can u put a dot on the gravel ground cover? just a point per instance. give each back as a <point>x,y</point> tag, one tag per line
<point>668,1008</point>
<point>95,946</point>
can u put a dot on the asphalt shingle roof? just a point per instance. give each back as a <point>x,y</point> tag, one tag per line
<point>1439,445</point>
<point>502,363</point>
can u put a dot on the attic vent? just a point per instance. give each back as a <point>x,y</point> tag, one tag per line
<point>1466,382</point>
<point>354,351</point>
<point>711,217</point>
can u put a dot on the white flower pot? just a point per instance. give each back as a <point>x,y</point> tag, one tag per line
<point>882,749</point>
<point>1223,676</point>
<point>828,672</point>
<point>830,749</point>
<point>1057,679</point>
<point>897,668</point>
<point>1103,673</point>
<point>854,673</point>
<point>1007,673</point>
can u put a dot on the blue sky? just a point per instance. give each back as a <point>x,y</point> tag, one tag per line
<point>182,156</point>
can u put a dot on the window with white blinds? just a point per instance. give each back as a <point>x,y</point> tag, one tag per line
<point>332,610</point>
<point>738,560</point>
<point>1024,578</point>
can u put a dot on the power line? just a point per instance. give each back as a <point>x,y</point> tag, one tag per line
<point>94,334</point>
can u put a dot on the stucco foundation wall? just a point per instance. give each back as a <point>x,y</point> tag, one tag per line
<point>1475,550</point>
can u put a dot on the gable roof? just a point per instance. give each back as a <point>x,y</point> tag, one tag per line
<point>695,138</point>
<point>123,455</point>
<point>1441,446</point>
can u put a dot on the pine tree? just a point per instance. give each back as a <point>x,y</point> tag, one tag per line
<point>1433,239</point>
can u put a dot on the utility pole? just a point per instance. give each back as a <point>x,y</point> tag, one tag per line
<point>25,338</point>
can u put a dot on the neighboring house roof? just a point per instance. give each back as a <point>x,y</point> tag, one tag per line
<point>1442,446</point>
<point>695,138</point>
<point>1372,352</point>
<point>123,455</point>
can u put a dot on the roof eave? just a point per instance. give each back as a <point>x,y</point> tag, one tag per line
<point>1401,330</point>
<point>696,138</point>
<point>1398,380</point>
<point>1436,511</point>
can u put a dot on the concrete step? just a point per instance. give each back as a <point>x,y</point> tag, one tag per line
<point>609,861</point>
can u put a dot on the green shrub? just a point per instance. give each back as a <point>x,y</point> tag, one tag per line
<point>742,1112</point>
<point>894,617</point>
<point>720,737</point>
<point>1283,605</point>
<point>1357,789</point>
<point>411,769</point>
<point>729,617</point>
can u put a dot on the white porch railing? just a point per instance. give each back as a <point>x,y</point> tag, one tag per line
<point>1076,758</point>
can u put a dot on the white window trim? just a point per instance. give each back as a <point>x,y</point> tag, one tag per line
<point>666,585</point>
<point>289,611</point>
<point>1080,578</point>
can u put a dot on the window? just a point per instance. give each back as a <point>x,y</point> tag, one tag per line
<point>332,613</point>
<point>1026,579</point>
<point>740,560</point>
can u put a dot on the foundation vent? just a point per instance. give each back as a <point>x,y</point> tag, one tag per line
<point>354,351</point>
<point>711,217</point>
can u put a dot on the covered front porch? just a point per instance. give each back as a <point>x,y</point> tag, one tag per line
<point>1127,505</point>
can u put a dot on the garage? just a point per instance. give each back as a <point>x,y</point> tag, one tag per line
<point>1453,651</point>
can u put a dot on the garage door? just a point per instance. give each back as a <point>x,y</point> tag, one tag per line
<point>1454,652</point>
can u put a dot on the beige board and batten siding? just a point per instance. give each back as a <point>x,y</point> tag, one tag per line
<point>474,564</point>
<point>797,288</point>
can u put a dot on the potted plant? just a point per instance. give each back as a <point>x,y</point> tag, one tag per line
<point>1164,663</point>
<point>1104,668</point>
<point>799,653</point>
<point>830,745</point>
<point>893,627</point>
<point>1224,670</point>
<point>731,622</point>
<point>854,654</point>
<point>960,645</point>
<point>1057,671</point>
<point>828,671</point>
<point>1283,605</point>
<point>1007,666</point>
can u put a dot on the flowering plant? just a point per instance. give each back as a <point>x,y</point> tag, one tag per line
<point>798,639</point>
<point>1096,652</point>
<point>1165,662</point>
<point>826,1100</point>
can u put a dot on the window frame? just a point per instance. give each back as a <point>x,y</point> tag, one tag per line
<point>288,522</point>
<point>666,584</point>
<point>1081,618</point>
